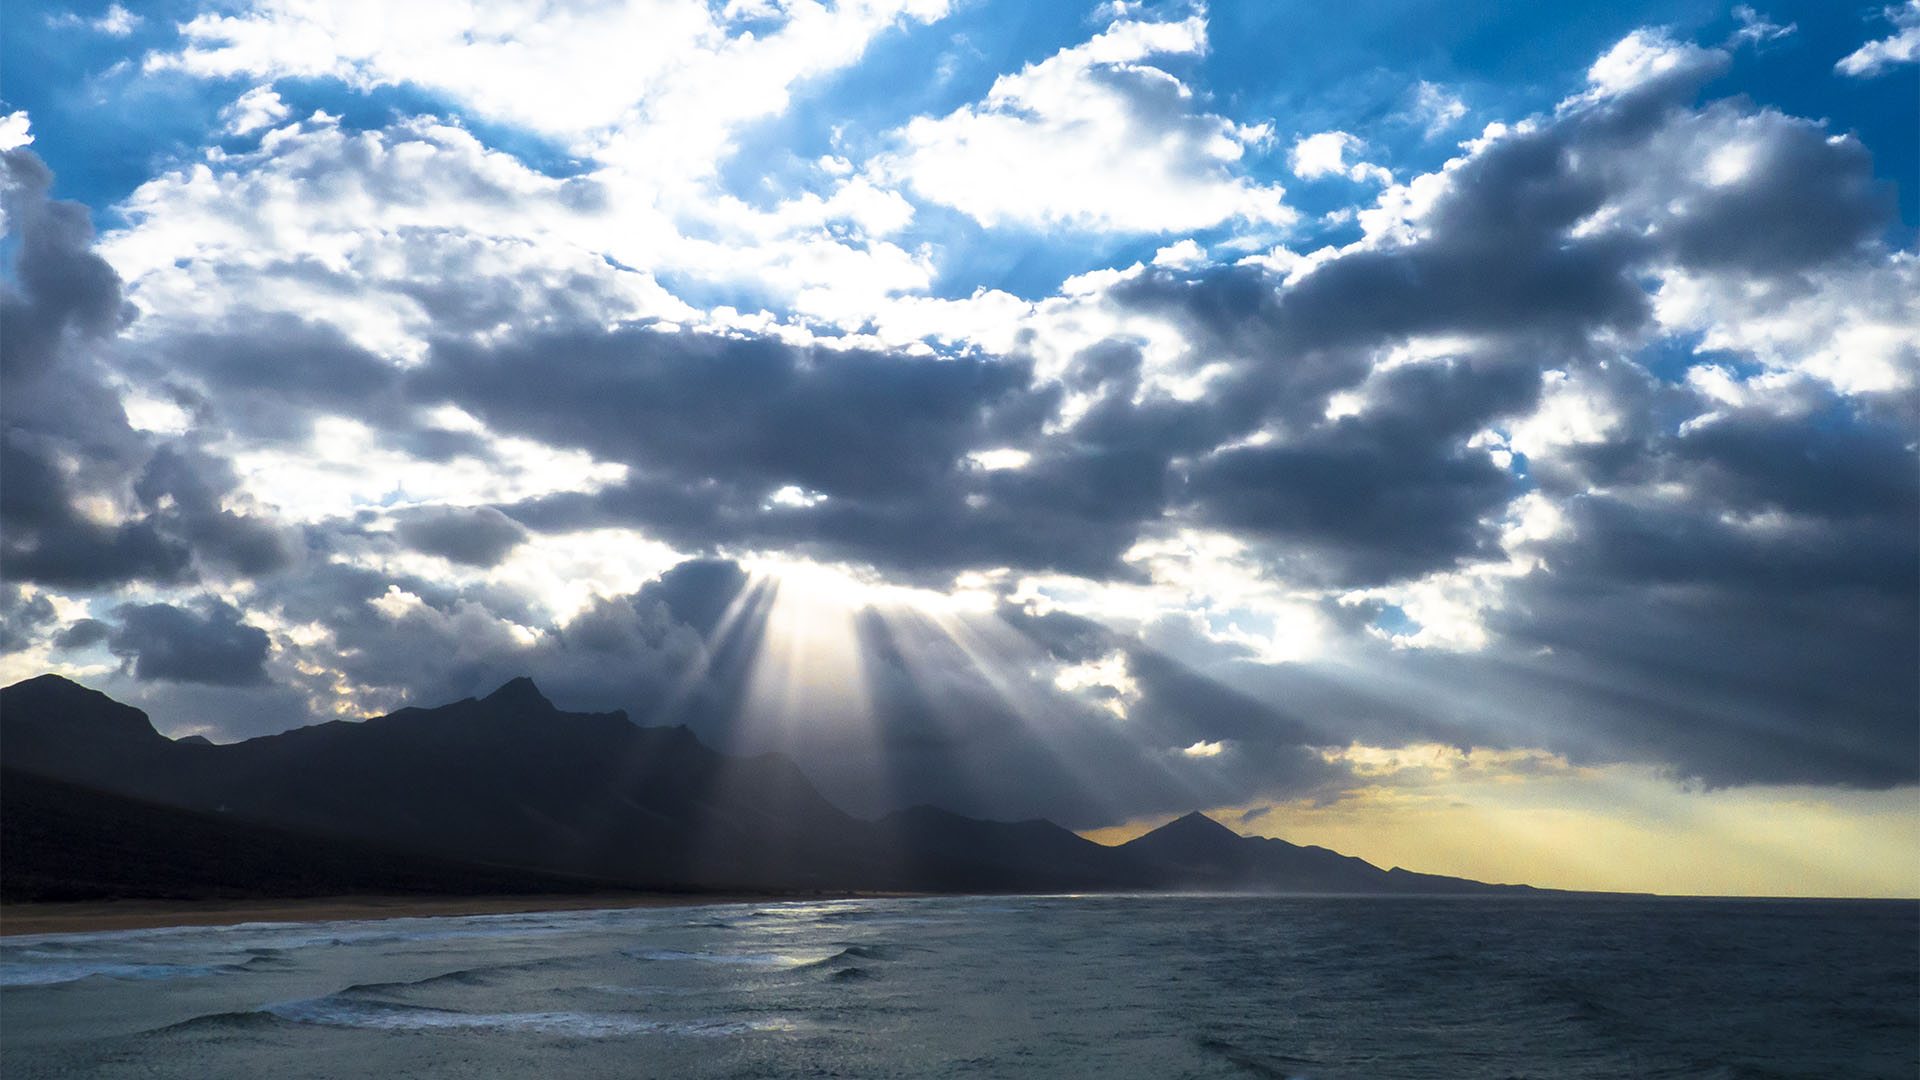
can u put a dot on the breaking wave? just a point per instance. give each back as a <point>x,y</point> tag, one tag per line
<point>349,1011</point>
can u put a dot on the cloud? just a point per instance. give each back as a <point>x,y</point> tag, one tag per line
<point>1651,61</point>
<point>667,81</point>
<point>65,443</point>
<point>482,536</point>
<point>1756,29</point>
<point>116,22</point>
<point>82,634</point>
<point>1877,57</point>
<point>1094,137</point>
<point>1386,495</point>
<point>1324,154</point>
<point>22,615</point>
<point>257,108</point>
<point>207,643</point>
<point>1435,107</point>
<point>89,501</point>
<point>879,444</point>
<point>15,130</point>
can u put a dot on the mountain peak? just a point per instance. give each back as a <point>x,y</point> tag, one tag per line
<point>519,693</point>
<point>53,703</point>
<point>1192,833</point>
<point>1197,821</point>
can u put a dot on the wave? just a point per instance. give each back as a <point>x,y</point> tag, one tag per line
<point>1255,1062</point>
<point>220,1023</point>
<point>286,936</point>
<point>772,960</point>
<point>456,978</point>
<point>66,971</point>
<point>337,1010</point>
<point>853,953</point>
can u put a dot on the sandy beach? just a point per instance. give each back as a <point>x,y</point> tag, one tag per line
<point>96,915</point>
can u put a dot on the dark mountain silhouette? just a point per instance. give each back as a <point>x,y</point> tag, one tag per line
<point>507,779</point>
<point>65,842</point>
<point>1196,852</point>
<point>938,849</point>
<point>502,792</point>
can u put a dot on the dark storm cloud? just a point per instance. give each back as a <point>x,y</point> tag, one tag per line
<point>65,439</point>
<point>82,634</point>
<point>1728,685</point>
<point>1508,255</point>
<point>1388,494</point>
<point>46,540</point>
<point>1816,194</point>
<point>1743,606</point>
<point>183,488</point>
<point>482,536</point>
<point>750,412</point>
<point>62,301</point>
<point>713,427</point>
<point>208,643</point>
<point>22,617</point>
<point>272,375</point>
<point>697,592</point>
<point>1769,619</point>
<point>63,288</point>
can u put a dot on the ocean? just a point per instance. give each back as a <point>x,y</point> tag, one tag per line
<point>1110,987</point>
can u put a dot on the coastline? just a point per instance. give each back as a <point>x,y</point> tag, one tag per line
<point>94,916</point>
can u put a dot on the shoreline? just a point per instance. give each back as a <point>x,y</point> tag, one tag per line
<point>94,916</point>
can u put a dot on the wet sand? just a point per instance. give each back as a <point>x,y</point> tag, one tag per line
<point>96,915</point>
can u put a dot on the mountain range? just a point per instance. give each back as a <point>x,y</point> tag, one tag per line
<point>508,793</point>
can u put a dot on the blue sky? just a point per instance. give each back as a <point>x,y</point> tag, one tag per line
<point>1385,423</point>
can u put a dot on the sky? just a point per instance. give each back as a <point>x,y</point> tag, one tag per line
<point>1477,437</point>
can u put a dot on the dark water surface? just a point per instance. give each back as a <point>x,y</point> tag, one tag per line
<point>1110,987</point>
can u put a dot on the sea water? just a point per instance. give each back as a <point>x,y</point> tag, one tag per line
<point>1090,986</point>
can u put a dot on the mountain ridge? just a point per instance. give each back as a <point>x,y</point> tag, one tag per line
<point>511,781</point>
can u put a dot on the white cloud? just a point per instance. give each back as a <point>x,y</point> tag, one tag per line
<point>15,130</point>
<point>116,22</point>
<point>1574,410</point>
<point>1001,458</point>
<point>1645,56</point>
<point>341,467</point>
<point>365,231</point>
<point>1902,47</point>
<point>1757,29</point>
<point>569,68</point>
<point>1112,684</point>
<point>1435,107</point>
<point>1324,154</point>
<point>1855,328</point>
<point>1180,256</point>
<point>1094,137</point>
<point>257,108</point>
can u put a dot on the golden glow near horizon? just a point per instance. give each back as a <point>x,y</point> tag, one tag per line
<point>1618,828</point>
